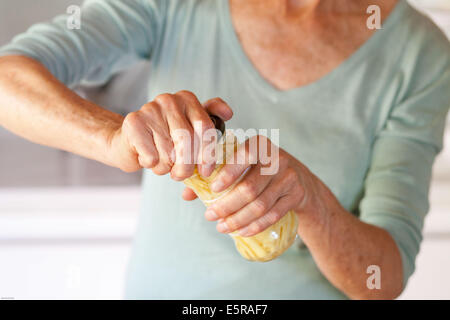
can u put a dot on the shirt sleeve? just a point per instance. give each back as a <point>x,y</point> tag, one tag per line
<point>113,34</point>
<point>397,184</point>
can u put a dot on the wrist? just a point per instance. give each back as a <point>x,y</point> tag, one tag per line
<point>114,146</point>
<point>310,186</point>
<point>105,129</point>
<point>316,200</point>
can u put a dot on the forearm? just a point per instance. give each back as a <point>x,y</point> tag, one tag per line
<point>38,107</point>
<point>343,246</point>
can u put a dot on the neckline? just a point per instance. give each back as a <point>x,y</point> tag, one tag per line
<point>276,94</point>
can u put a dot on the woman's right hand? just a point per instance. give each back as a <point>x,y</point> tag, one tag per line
<point>150,137</point>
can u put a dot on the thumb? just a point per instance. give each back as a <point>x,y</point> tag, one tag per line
<point>188,194</point>
<point>219,108</point>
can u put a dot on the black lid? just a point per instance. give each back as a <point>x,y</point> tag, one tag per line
<point>219,124</point>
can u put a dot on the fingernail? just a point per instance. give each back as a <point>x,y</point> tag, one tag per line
<point>244,232</point>
<point>210,214</point>
<point>223,227</point>
<point>217,186</point>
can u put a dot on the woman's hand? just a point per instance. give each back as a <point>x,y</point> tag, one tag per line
<point>258,200</point>
<point>150,137</point>
<point>341,245</point>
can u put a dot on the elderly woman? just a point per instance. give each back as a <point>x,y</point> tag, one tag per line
<point>361,114</point>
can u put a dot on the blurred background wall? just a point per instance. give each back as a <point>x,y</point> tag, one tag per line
<point>66,223</point>
<point>53,167</point>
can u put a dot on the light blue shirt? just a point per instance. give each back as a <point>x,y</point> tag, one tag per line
<point>370,129</point>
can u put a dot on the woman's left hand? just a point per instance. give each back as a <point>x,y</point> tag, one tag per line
<point>260,199</point>
<point>341,244</point>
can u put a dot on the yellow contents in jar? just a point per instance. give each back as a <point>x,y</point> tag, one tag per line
<point>262,247</point>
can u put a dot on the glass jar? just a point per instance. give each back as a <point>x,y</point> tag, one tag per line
<point>264,246</point>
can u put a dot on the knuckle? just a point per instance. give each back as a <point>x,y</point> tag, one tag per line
<point>186,94</point>
<point>291,176</point>
<point>233,224</point>
<point>256,227</point>
<point>226,177</point>
<point>148,161</point>
<point>219,210</point>
<point>249,190</point>
<point>165,99</point>
<point>260,207</point>
<point>150,107</point>
<point>273,217</point>
<point>132,119</point>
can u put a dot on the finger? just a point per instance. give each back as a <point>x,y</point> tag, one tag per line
<point>256,209</point>
<point>155,122</point>
<point>218,107</point>
<point>141,139</point>
<point>242,194</point>
<point>245,156</point>
<point>205,135</point>
<point>281,207</point>
<point>181,134</point>
<point>188,194</point>
<point>166,153</point>
<point>147,152</point>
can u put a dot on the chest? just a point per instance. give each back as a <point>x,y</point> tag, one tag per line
<point>292,54</point>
